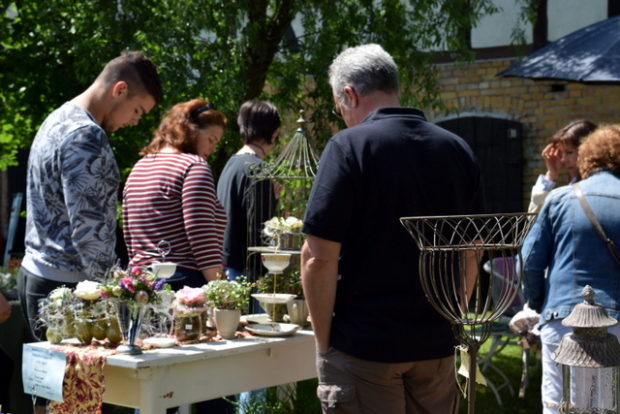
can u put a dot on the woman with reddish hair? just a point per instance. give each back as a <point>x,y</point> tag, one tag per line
<point>170,196</point>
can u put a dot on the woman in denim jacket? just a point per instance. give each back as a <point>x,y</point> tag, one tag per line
<point>564,243</point>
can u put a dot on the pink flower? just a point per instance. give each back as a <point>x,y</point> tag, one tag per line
<point>104,294</point>
<point>191,296</point>
<point>127,283</point>
<point>136,270</point>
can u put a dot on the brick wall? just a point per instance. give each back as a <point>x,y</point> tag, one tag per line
<point>474,89</point>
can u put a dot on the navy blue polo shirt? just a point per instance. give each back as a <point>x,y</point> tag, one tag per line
<point>393,164</point>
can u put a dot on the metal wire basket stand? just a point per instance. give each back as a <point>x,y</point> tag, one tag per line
<point>451,251</point>
<point>290,176</point>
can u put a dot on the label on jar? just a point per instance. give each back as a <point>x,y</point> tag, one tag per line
<point>189,326</point>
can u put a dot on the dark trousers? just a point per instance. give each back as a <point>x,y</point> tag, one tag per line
<point>6,369</point>
<point>31,290</point>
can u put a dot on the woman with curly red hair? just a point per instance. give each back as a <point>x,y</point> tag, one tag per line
<point>170,196</point>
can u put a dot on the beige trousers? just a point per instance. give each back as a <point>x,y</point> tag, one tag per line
<point>349,385</point>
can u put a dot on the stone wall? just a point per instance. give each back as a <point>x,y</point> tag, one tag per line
<point>541,106</point>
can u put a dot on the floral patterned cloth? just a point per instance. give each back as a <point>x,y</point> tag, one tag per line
<point>84,381</point>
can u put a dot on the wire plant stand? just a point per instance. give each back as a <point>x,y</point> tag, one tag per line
<point>279,188</point>
<point>451,251</point>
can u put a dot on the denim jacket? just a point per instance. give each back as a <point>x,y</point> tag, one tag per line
<point>563,242</point>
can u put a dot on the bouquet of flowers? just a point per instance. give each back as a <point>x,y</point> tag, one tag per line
<point>276,226</point>
<point>132,291</point>
<point>284,232</point>
<point>57,302</point>
<point>56,313</point>
<point>135,285</point>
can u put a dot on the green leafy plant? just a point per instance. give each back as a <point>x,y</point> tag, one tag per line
<point>228,53</point>
<point>229,294</point>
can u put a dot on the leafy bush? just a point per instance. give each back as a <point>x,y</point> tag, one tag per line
<point>229,294</point>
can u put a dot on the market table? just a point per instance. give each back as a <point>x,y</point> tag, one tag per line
<point>170,377</point>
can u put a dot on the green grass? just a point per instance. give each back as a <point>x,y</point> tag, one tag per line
<point>509,362</point>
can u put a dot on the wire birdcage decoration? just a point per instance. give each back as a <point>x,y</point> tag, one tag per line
<point>451,251</point>
<point>290,176</point>
<point>297,161</point>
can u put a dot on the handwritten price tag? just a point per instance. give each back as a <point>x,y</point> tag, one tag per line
<point>43,371</point>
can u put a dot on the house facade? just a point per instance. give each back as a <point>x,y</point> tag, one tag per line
<point>508,121</point>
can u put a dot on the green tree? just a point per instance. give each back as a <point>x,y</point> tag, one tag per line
<point>226,51</point>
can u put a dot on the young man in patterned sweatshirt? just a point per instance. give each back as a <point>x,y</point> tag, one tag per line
<point>73,181</point>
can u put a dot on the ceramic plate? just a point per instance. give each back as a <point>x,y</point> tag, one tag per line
<point>273,297</point>
<point>273,329</point>
<point>160,341</point>
<point>256,318</point>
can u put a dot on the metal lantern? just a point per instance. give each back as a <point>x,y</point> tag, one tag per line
<point>590,358</point>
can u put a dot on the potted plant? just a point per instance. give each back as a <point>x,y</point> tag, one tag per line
<point>189,310</point>
<point>228,298</point>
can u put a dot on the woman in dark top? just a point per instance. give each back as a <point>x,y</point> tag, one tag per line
<point>248,201</point>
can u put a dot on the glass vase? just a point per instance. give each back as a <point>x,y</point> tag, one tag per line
<point>130,315</point>
<point>99,328</point>
<point>83,327</point>
<point>188,325</point>
<point>113,331</point>
<point>55,331</point>
<point>290,241</point>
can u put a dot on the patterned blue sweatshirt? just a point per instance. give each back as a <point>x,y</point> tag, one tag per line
<point>72,188</point>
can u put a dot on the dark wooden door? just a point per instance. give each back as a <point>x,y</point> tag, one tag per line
<point>497,145</point>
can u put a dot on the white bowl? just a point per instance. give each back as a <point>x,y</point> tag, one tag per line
<point>273,297</point>
<point>275,262</point>
<point>163,270</point>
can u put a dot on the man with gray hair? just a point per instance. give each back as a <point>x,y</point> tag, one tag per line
<point>381,346</point>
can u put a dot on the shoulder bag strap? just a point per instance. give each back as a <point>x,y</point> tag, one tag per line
<point>611,246</point>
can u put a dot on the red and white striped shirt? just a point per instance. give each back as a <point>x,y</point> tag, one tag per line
<point>172,197</point>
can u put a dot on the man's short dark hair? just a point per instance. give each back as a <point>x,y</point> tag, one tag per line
<point>137,70</point>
